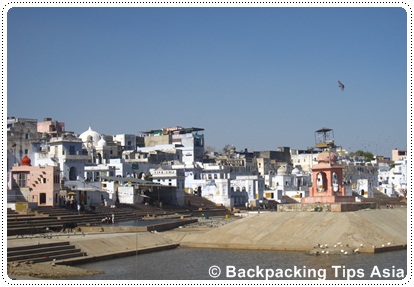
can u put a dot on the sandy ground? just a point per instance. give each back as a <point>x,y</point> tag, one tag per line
<point>363,231</point>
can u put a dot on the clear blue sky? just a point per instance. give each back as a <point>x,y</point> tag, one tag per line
<point>257,78</point>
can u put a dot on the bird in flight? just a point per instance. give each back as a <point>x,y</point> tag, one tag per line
<point>342,86</point>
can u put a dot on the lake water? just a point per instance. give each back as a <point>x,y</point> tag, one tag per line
<point>204,264</point>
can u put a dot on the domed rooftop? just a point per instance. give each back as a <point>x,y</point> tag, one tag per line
<point>26,161</point>
<point>326,157</point>
<point>90,133</point>
<point>101,142</point>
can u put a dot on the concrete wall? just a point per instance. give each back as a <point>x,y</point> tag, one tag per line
<point>157,140</point>
<point>326,207</point>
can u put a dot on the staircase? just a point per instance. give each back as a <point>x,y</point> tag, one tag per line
<point>199,205</point>
<point>47,219</point>
<point>43,252</point>
<point>383,199</point>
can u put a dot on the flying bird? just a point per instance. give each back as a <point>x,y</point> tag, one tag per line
<point>342,86</point>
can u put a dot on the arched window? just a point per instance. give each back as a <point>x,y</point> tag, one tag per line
<point>335,185</point>
<point>321,182</point>
<point>73,173</point>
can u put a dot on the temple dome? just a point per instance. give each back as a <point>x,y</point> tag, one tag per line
<point>326,157</point>
<point>101,142</point>
<point>90,134</point>
<point>26,161</point>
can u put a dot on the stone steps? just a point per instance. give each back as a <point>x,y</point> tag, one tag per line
<point>53,218</point>
<point>46,219</point>
<point>43,252</point>
<point>199,201</point>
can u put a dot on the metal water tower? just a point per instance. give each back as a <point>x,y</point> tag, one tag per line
<point>324,138</point>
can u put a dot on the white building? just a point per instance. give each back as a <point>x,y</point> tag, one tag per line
<point>216,190</point>
<point>399,174</point>
<point>208,180</point>
<point>294,184</point>
<point>171,177</point>
<point>20,134</point>
<point>129,195</point>
<point>393,181</point>
<point>123,190</point>
<point>247,189</point>
<point>363,188</point>
<point>126,141</point>
<point>360,177</point>
<point>190,141</point>
<point>66,152</point>
<point>305,159</point>
<point>97,146</point>
<point>214,182</point>
<point>157,154</point>
<point>192,173</point>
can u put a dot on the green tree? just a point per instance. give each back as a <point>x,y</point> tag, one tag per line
<point>368,156</point>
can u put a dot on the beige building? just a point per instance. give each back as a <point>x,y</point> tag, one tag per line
<point>54,128</point>
<point>189,140</point>
<point>38,185</point>
<point>397,154</point>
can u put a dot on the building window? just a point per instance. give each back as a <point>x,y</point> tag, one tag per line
<point>21,179</point>
<point>56,178</point>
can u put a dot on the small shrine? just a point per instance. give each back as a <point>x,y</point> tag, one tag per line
<point>327,173</point>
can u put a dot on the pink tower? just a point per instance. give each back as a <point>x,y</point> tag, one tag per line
<point>327,173</point>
